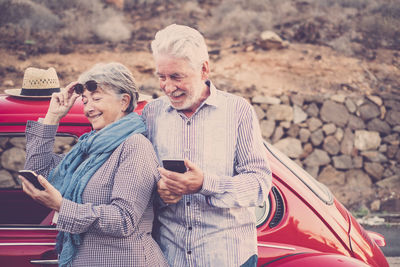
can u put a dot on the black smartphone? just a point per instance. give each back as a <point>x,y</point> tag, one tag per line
<point>175,165</point>
<point>31,176</point>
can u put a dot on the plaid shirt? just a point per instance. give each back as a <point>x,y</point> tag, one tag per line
<point>215,227</point>
<point>116,216</point>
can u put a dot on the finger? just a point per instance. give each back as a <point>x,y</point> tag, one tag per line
<point>47,186</point>
<point>189,165</point>
<point>170,175</point>
<point>70,88</point>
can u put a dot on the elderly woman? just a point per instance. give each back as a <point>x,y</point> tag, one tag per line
<point>103,188</point>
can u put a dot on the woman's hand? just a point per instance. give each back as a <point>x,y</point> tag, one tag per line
<point>50,197</point>
<point>60,104</point>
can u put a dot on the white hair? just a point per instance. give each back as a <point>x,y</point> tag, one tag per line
<point>181,42</point>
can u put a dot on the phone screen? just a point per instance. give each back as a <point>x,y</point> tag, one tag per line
<point>31,177</point>
<point>174,165</point>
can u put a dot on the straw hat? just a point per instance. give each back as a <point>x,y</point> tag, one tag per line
<point>37,83</point>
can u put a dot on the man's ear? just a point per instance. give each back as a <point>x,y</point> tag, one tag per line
<point>205,70</point>
<point>126,99</point>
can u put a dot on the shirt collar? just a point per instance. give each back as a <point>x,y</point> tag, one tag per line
<point>211,100</point>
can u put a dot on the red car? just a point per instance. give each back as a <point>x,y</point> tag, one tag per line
<point>301,223</point>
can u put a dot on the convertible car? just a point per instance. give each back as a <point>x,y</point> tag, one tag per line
<point>300,224</point>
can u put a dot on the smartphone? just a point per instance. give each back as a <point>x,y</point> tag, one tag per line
<point>175,165</point>
<point>31,176</point>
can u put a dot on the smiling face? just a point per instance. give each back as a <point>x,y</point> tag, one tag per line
<point>184,86</point>
<point>103,107</point>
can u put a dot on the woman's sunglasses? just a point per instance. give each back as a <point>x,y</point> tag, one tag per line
<point>91,86</point>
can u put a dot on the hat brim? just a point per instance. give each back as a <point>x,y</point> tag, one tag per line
<point>17,92</point>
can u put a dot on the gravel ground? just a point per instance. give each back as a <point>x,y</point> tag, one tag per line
<point>393,261</point>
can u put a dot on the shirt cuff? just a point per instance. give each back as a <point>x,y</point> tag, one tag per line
<point>42,130</point>
<point>66,216</point>
<point>210,185</point>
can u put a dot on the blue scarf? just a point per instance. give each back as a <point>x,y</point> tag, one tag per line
<point>73,173</point>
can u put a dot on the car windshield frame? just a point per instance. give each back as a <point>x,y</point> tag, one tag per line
<point>319,189</point>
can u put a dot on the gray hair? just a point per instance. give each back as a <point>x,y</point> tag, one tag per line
<point>117,79</point>
<point>182,42</point>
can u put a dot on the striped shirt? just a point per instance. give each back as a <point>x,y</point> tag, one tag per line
<point>215,227</point>
<point>116,217</point>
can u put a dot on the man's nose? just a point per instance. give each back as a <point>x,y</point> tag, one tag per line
<point>168,86</point>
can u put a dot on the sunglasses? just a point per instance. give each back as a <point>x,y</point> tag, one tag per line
<point>91,86</point>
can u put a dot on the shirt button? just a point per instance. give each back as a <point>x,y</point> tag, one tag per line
<point>190,227</point>
<point>188,203</point>
<point>189,252</point>
<point>188,123</point>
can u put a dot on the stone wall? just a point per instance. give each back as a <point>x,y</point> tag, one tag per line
<point>349,143</point>
<point>12,157</point>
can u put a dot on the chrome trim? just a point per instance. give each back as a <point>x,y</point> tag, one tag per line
<point>44,262</point>
<point>275,246</point>
<point>27,244</point>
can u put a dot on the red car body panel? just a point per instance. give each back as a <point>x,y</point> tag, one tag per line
<point>299,228</point>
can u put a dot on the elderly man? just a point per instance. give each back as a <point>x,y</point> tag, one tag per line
<point>206,216</point>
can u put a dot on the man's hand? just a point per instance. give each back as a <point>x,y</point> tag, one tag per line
<point>50,197</point>
<point>166,195</point>
<point>183,183</point>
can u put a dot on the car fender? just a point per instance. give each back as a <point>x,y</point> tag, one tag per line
<point>314,260</point>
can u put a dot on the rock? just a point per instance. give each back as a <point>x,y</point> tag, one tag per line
<point>366,140</point>
<point>392,139</point>
<point>317,158</point>
<point>297,99</point>
<point>277,134</point>
<point>335,113</point>
<point>63,144</point>
<point>358,179</point>
<point>378,125</point>
<point>307,149</point>
<point>313,124</point>
<point>376,99</point>
<point>259,99</point>
<point>4,141</point>
<point>329,128</point>
<point>347,144</point>
<point>331,145</point>
<point>355,123</point>
<point>271,40</point>
<point>317,137</point>
<point>357,162</point>
<point>329,176</point>
<point>285,124</point>
<point>392,182</point>
<point>392,150</point>
<point>312,170</point>
<point>374,169</point>
<point>259,112</point>
<point>376,205</point>
<point>19,142</point>
<point>312,110</point>
<point>369,111</point>
<point>339,134</point>
<point>291,147</point>
<point>6,180</point>
<point>298,115</point>
<point>280,113</point>
<point>374,156</point>
<point>304,135</point>
<point>267,128</point>
<point>351,107</point>
<point>13,159</point>
<point>293,130</point>
<point>342,162</point>
<point>8,83</point>
<point>338,98</point>
<point>393,117</point>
